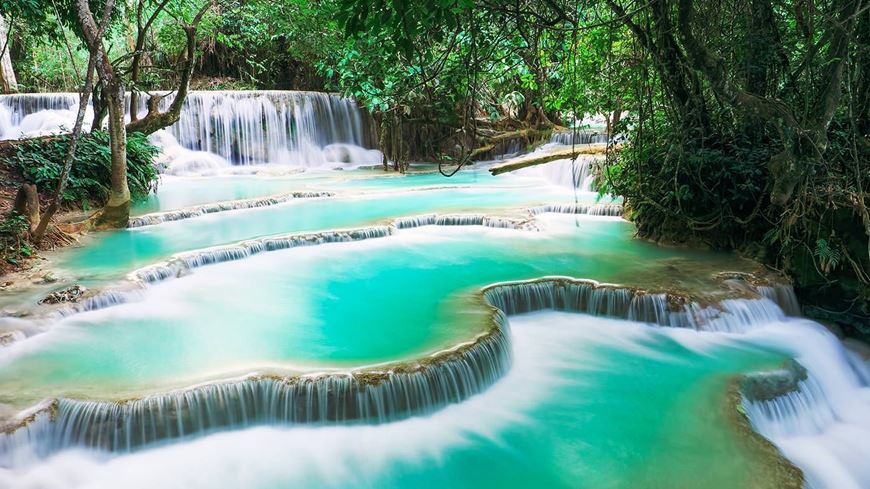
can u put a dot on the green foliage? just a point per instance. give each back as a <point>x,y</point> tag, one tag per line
<point>267,43</point>
<point>41,162</point>
<point>12,244</point>
<point>677,188</point>
<point>48,68</point>
<point>33,13</point>
<point>828,257</point>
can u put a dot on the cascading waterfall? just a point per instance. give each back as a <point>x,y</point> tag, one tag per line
<point>579,174</point>
<point>400,223</point>
<point>811,414</point>
<point>815,409</point>
<point>609,210</point>
<point>182,264</point>
<point>307,128</point>
<point>415,221</point>
<point>822,425</point>
<point>221,127</point>
<point>102,300</point>
<point>377,394</point>
<point>31,115</point>
<point>784,296</point>
<point>583,296</point>
<point>370,395</point>
<point>201,210</point>
<point>462,220</point>
<point>580,137</point>
<point>730,316</point>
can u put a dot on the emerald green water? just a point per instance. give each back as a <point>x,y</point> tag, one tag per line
<point>589,402</point>
<point>612,405</point>
<point>333,305</point>
<point>110,255</point>
<point>179,192</point>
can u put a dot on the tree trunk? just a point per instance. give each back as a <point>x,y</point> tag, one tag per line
<point>383,135</point>
<point>69,157</point>
<point>116,213</point>
<point>8,83</point>
<point>680,82</point>
<point>117,210</point>
<point>98,103</point>
<point>534,159</point>
<point>155,120</point>
<point>27,204</point>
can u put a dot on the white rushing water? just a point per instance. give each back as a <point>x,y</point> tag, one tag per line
<point>33,115</point>
<point>220,129</point>
<point>581,136</point>
<point>823,427</point>
<point>579,174</point>
<point>551,352</point>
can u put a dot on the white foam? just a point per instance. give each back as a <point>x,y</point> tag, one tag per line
<point>550,350</point>
<point>824,427</point>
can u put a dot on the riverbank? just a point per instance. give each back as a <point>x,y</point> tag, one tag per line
<point>19,254</point>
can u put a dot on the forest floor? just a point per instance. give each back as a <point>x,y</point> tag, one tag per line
<point>10,181</point>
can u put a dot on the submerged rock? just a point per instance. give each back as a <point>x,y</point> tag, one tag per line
<point>72,294</point>
<point>764,386</point>
<point>10,337</point>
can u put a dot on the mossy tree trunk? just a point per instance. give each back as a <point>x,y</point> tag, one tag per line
<point>117,210</point>
<point>116,213</point>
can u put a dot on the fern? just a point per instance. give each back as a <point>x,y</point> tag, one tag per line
<point>828,257</point>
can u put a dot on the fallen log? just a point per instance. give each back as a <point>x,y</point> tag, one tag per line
<point>533,159</point>
<point>491,143</point>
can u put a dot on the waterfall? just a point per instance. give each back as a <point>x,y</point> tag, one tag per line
<point>415,221</point>
<point>183,263</point>
<point>782,295</point>
<point>216,128</point>
<point>590,297</point>
<point>823,425</point>
<point>611,210</point>
<point>463,220</point>
<point>579,174</point>
<point>307,128</point>
<point>373,395</point>
<point>201,210</point>
<point>730,316</point>
<point>32,115</point>
<point>584,296</point>
<point>814,409</point>
<point>102,300</point>
<point>581,137</point>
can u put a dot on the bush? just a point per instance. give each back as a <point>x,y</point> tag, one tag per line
<point>688,189</point>
<point>41,163</point>
<point>12,245</point>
